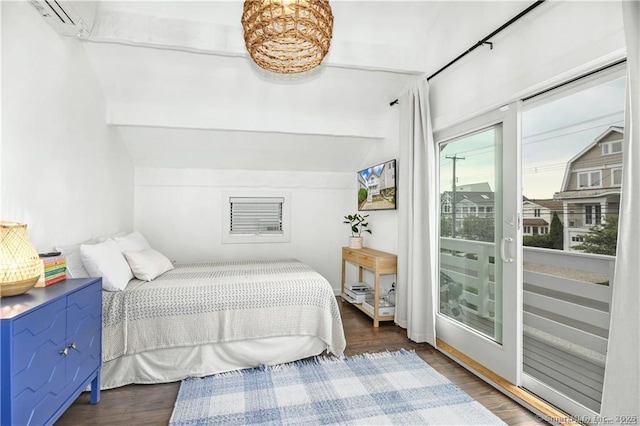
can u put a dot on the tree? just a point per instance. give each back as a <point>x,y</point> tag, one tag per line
<point>556,233</point>
<point>446,224</point>
<point>539,240</point>
<point>602,239</point>
<point>478,228</point>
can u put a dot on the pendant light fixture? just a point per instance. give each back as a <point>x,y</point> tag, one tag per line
<point>287,36</point>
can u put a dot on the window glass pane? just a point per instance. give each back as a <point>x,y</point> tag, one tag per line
<point>584,180</point>
<point>468,266</point>
<point>570,146</point>
<point>617,177</point>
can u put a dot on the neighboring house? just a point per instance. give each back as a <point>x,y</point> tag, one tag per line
<point>380,179</point>
<point>479,204</point>
<point>388,176</point>
<point>537,215</point>
<point>591,186</point>
<point>373,183</point>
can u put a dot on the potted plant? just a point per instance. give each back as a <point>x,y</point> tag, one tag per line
<point>357,224</point>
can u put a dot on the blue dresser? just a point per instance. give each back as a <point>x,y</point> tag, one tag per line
<point>51,350</point>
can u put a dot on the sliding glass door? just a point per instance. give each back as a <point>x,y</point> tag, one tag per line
<point>479,256</point>
<point>572,160</point>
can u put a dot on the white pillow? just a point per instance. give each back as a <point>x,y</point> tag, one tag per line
<point>105,260</point>
<point>75,268</point>
<point>132,242</point>
<point>148,264</point>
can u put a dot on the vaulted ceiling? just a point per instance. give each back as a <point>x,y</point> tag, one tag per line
<point>183,92</point>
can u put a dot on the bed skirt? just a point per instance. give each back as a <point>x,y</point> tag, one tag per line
<point>173,364</point>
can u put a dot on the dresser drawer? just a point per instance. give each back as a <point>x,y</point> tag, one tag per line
<point>360,258</point>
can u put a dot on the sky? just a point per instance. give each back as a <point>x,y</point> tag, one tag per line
<point>367,172</point>
<point>553,132</point>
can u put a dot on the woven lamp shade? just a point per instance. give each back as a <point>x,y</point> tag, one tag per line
<point>20,266</point>
<point>287,36</point>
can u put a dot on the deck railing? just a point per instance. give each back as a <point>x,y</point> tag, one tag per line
<point>566,297</point>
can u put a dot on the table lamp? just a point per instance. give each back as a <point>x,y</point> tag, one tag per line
<point>20,266</point>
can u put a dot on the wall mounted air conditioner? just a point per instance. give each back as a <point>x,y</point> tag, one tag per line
<point>67,18</point>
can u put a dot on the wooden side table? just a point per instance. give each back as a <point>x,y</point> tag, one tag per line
<point>380,263</point>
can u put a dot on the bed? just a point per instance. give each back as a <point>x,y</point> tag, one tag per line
<point>205,318</point>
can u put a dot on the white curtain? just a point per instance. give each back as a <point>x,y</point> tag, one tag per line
<point>621,392</point>
<point>417,239</point>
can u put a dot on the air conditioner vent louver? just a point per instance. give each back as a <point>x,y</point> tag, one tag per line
<point>62,17</point>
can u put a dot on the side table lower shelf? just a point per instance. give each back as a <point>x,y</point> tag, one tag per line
<point>360,306</point>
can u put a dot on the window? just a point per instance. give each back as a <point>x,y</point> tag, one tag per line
<point>446,208</point>
<point>256,215</point>
<point>592,214</point>
<point>612,147</point>
<point>536,212</point>
<point>589,179</point>
<point>255,218</point>
<point>616,177</point>
<point>472,210</point>
<point>535,230</point>
<point>527,229</point>
<point>577,239</point>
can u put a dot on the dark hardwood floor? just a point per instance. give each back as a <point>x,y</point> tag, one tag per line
<point>153,404</point>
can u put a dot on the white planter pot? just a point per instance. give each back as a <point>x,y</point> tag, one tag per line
<point>355,242</point>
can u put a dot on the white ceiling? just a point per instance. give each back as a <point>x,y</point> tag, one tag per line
<point>180,86</point>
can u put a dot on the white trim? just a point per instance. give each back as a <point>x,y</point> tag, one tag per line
<point>588,169</point>
<point>284,237</point>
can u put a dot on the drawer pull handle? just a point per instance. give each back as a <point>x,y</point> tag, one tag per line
<point>64,352</point>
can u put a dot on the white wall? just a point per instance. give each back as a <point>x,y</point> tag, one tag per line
<point>180,212</point>
<point>384,223</point>
<point>64,172</point>
<point>554,40</point>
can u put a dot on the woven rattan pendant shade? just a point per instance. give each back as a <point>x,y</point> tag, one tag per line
<point>287,36</point>
<point>20,266</point>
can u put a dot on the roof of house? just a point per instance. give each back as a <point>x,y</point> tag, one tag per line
<point>474,197</point>
<point>534,222</point>
<point>553,205</point>
<point>474,187</point>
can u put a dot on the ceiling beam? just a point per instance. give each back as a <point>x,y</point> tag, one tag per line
<point>135,29</point>
<point>263,120</point>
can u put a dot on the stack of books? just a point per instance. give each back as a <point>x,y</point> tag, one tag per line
<point>54,270</point>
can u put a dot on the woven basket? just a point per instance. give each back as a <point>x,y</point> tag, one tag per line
<point>287,36</point>
<point>20,266</point>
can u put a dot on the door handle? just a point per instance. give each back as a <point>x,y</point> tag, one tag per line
<point>503,250</point>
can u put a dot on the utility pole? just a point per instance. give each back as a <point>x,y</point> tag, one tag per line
<point>454,158</point>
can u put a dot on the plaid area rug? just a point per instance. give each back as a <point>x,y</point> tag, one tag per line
<point>384,388</point>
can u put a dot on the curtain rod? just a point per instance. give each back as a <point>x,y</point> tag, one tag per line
<point>482,42</point>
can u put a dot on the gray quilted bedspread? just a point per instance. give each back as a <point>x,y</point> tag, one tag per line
<point>201,303</point>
